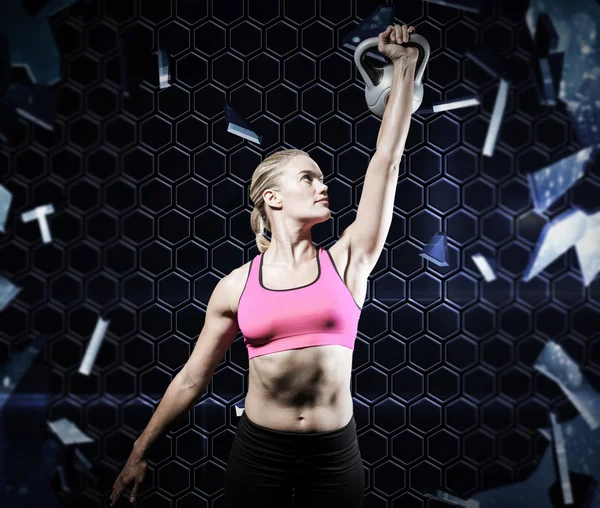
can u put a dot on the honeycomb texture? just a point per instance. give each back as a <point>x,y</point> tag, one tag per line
<point>157,212</point>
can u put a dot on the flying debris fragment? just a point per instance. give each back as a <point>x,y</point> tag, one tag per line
<point>239,126</point>
<point>5,201</point>
<point>483,57</point>
<point>571,28</point>
<point>30,39</point>
<point>68,432</point>
<point>556,238</point>
<point>7,292</point>
<point>164,68</point>
<point>561,456</point>
<point>449,498</point>
<point>548,184</point>
<point>448,105</point>
<point>555,364</point>
<point>17,366</point>
<point>371,26</point>
<point>588,249</point>
<point>33,102</point>
<point>473,6</point>
<point>497,116</point>
<point>93,347</point>
<point>436,250</point>
<point>485,267</point>
<point>40,213</point>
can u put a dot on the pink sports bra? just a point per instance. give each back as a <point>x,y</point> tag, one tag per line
<point>323,312</point>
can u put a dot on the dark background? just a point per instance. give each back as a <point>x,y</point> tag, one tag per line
<point>156,211</point>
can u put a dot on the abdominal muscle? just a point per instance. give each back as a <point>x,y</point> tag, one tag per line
<point>301,390</point>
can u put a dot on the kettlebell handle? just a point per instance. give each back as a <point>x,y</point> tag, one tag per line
<point>372,75</point>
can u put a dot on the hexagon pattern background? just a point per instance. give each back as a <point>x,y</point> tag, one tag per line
<point>156,212</point>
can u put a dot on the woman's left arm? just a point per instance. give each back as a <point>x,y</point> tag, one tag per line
<point>396,118</point>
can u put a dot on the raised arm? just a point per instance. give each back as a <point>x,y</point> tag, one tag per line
<point>367,234</point>
<point>396,118</point>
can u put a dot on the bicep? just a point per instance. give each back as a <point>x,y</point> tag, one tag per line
<point>218,334</point>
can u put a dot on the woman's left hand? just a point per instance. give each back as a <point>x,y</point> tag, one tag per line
<point>389,43</point>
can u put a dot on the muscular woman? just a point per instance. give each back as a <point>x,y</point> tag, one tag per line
<point>297,306</point>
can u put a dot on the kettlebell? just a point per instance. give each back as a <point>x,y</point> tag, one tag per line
<point>379,79</point>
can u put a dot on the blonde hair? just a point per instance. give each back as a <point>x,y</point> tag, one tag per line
<point>267,176</point>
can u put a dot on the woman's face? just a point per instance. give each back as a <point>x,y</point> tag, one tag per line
<point>301,189</point>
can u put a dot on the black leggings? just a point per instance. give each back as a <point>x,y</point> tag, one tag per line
<point>270,468</point>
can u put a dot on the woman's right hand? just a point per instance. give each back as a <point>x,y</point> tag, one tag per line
<point>134,470</point>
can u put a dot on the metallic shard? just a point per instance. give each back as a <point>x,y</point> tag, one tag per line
<point>7,292</point>
<point>548,75</point>
<point>240,407</point>
<point>83,460</point>
<point>555,364</point>
<point>555,239</point>
<point>68,432</point>
<point>561,456</point>
<point>63,479</point>
<point>583,453</point>
<point>473,6</point>
<point>5,202</point>
<point>164,68</point>
<point>436,250</point>
<point>485,267</point>
<point>30,39</point>
<point>548,184</point>
<point>239,126</point>
<point>540,488</point>
<point>93,347</point>
<point>40,213</point>
<point>425,110</point>
<point>371,26</point>
<point>483,57</point>
<point>33,102</point>
<point>17,366</point>
<point>85,471</point>
<point>136,61</point>
<point>577,25</point>
<point>448,105</point>
<point>556,63</point>
<point>82,463</point>
<point>585,109</point>
<point>588,250</point>
<point>23,481</point>
<point>546,36</point>
<point>546,87</point>
<point>444,496</point>
<point>497,117</point>
<point>524,494</point>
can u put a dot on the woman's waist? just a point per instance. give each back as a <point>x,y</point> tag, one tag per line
<point>286,412</point>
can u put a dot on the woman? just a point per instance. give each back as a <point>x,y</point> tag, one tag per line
<point>298,308</point>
